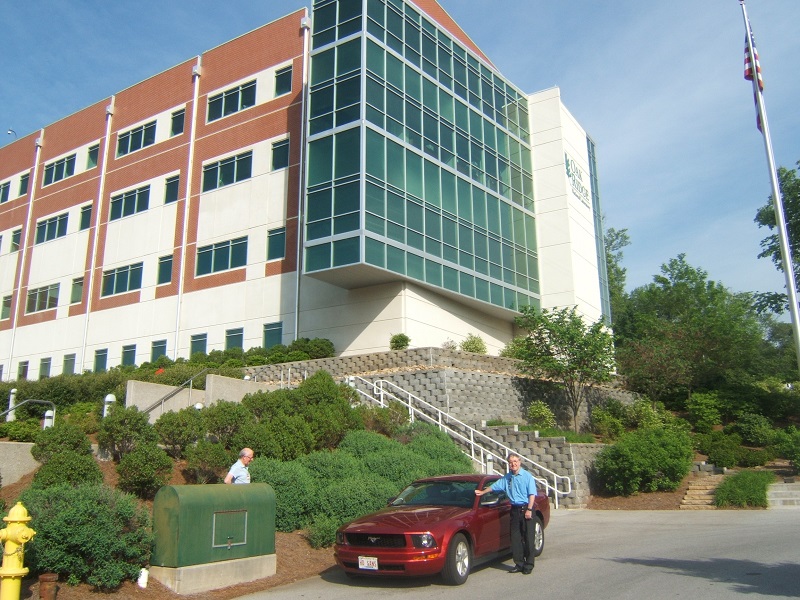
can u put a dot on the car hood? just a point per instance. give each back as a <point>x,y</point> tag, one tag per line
<point>398,519</point>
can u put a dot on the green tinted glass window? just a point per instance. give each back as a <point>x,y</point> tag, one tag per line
<point>348,57</point>
<point>320,161</point>
<point>374,253</point>
<point>375,58</point>
<point>395,260</point>
<point>322,66</point>
<point>376,199</point>
<point>346,252</point>
<point>318,257</point>
<point>348,153</point>
<point>432,189</point>
<point>414,174</point>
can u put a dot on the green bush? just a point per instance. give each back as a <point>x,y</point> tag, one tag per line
<point>287,437</point>
<point>179,430</point>
<point>605,424</point>
<point>704,411</point>
<point>67,467</point>
<point>745,489</point>
<point>60,438</point>
<point>353,497</point>
<point>326,466</point>
<point>755,429</point>
<point>223,420</point>
<point>399,341</point>
<point>295,488</point>
<point>365,443</point>
<point>400,466</point>
<point>787,444</point>
<point>473,343</point>
<point>540,416</point>
<point>646,460</point>
<point>208,462</point>
<point>438,447</point>
<point>88,533</point>
<point>22,430</point>
<point>85,415</point>
<point>123,429</point>
<point>573,437</point>
<point>754,457</point>
<point>326,406</point>
<point>384,420</point>
<point>723,450</point>
<point>322,531</point>
<point>144,470</point>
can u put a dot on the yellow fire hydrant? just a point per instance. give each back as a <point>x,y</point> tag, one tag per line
<point>14,535</point>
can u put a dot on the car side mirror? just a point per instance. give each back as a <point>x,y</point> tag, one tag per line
<point>491,499</point>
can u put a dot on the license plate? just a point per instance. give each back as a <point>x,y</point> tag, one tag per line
<point>368,562</point>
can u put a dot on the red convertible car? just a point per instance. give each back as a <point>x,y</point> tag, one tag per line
<point>435,525</point>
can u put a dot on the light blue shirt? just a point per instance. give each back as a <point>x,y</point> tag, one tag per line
<point>517,487</point>
<point>239,473</point>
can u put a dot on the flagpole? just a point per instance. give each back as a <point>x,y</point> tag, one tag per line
<point>777,201</point>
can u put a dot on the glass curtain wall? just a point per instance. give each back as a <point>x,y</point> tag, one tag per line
<point>419,158</point>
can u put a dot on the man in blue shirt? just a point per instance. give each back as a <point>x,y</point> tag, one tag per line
<point>239,472</point>
<point>520,487</point>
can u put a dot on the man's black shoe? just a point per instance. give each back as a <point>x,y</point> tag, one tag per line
<point>527,571</point>
<point>516,569</point>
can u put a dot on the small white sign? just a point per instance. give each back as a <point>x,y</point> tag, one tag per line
<point>368,562</point>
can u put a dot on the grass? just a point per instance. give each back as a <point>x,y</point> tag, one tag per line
<point>747,489</point>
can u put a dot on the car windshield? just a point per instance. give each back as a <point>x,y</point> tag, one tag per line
<point>438,493</point>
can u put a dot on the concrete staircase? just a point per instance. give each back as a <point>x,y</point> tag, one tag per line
<point>700,494</point>
<point>783,495</point>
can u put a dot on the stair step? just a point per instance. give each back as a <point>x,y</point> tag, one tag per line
<point>698,507</point>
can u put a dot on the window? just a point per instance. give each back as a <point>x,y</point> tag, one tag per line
<point>164,269</point>
<point>52,228</point>
<point>234,338</point>
<point>276,244</point>
<point>44,368</point>
<point>68,367</point>
<point>222,256</point>
<point>133,201</point>
<point>86,217</point>
<point>22,369</point>
<point>4,191</point>
<point>15,237</point>
<point>23,184</point>
<point>158,349</point>
<point>176,127</point>
<point>136,139</point>
<point>171,189</point>
<point>5,310</point>
<point>121,280</point>
<point>43,298</point>
<point>100,360</point>
<point>273,334</point>
<point>76,295</point>
<point>198,343</point>
<point>228,171</point>
<point>129,355</point>
<point>91,159</point>
<point>283,81</point>
<point>232,101</point>
<point>280,155</point>
<point>60,169</point>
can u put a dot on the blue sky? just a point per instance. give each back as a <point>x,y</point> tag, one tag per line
<point>658,86</point>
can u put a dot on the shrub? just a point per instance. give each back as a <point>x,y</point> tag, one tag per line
<point>84,415</point>
<point>755,429</point>
<point>605,424</point>
<point>473,343</point>
<point>326,466</point>
<point>399,341</point>
<point>208,462</point>
<point>144,470</point>
<point>745,489</point>
<point>647,460</point>
<point>355,496</point>
<point>754,458</point>
<point>722,450</point>
<point>67,467</point>
<point>295,491</point>
<point>287,436</point>
<point>326,407</point>
<point>450,345</point>
<point>223,421</point>
<point>384,420</point>
<point>88,533</point>
<point>787,444</point>
<point>60,438</point>
<point>400,466</point>
<point>438,447</point>
<point>704,411</point>
<point>365,443</point>
<point>22,431</point>
<point>322,531</point>
<point>123,429</point>
<point>540,416</point>
<point>179,430</point>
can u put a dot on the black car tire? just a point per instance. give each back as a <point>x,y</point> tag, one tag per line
<point>458,562</point>
<point>538,535</point>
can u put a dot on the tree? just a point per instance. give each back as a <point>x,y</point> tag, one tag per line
<point>614,241</point>
<point>559,345</point>
<point>770,246</point>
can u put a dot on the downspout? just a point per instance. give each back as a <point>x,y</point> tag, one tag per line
<point>24,252</point>
<point>96,215</point>
<point>305,25</point>
<point>196,73</point>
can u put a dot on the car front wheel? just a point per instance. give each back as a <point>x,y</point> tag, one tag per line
<point>459,561</point>
<point>538,535</point>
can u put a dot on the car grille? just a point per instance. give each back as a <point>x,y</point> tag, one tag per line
<point>381,568</point>
<point>372,540</point>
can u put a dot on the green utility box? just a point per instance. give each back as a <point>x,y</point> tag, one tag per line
<point>200,524</point>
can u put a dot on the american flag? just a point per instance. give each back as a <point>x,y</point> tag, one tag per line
<point>750,60</point>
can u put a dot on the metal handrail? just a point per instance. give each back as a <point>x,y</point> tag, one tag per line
<point>174,392</point>
<point>475,440</point>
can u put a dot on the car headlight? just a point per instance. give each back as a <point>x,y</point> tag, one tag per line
<point>423,540</point>
<point>340,539</point>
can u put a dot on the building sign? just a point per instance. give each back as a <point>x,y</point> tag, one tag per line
<point>576,177</point>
